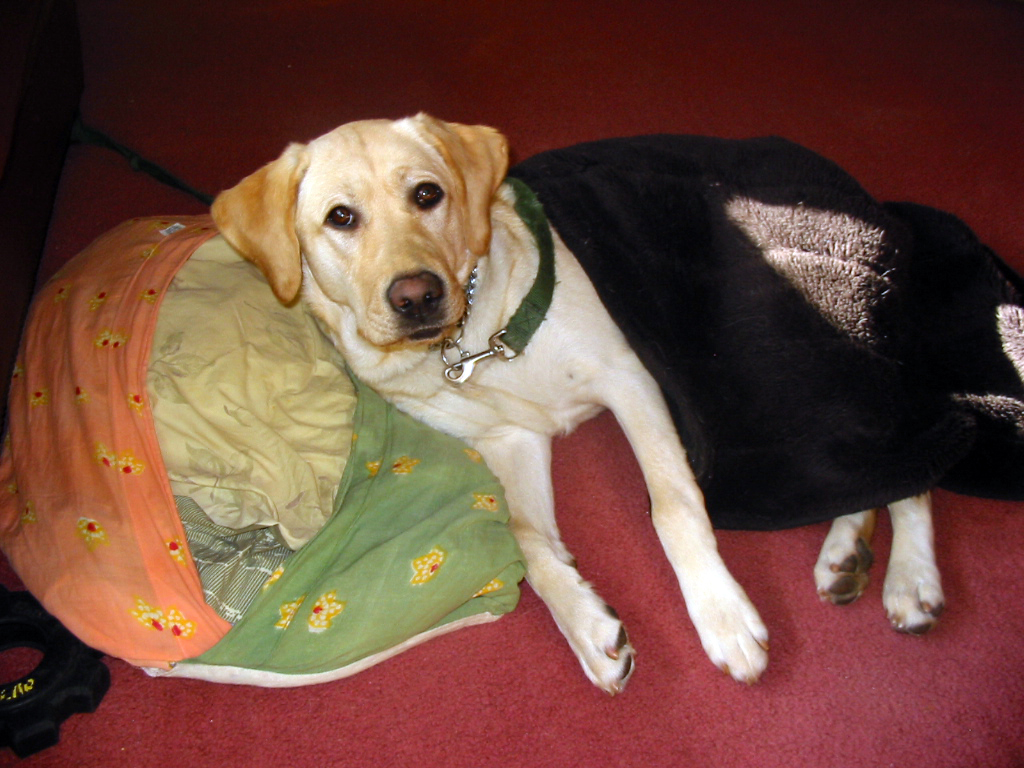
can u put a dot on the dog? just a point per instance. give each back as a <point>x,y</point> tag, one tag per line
<point>403,238</point>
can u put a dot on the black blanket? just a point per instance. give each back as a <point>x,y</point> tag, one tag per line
<point>821,352</point>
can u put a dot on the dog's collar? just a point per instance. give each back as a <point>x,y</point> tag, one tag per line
<point>513,338</point>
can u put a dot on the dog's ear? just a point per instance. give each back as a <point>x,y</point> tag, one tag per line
<point>257,216</point>
<point>478,155</point>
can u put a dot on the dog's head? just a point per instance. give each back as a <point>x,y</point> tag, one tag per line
<point>384,218</point>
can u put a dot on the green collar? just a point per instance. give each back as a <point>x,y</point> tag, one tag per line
<point>513,338</point>
<point>527,319</point>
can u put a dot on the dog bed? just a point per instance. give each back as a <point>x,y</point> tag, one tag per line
<point>192,481</point>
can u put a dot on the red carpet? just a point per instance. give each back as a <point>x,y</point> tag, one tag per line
<point>920,99</point>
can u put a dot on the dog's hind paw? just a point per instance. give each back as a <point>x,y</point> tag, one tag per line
<point>841,573</point>
<point>842,578</point>
<point>913,598</point>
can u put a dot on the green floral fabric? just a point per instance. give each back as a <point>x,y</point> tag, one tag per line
<point>418,539</point>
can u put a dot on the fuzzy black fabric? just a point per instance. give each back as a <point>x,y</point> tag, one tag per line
<point>821,353</point>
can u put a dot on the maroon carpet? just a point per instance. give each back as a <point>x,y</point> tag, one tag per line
<point>920,99</point>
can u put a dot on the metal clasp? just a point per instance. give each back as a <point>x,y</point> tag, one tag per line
<point>462,368</point>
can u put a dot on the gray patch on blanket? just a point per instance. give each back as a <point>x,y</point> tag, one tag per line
<point>1007,410</point>
<point>839,263</point>
<point>233,565</point>
<point>1011,331</point>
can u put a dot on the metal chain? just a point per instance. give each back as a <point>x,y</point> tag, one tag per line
<point>459,367</point>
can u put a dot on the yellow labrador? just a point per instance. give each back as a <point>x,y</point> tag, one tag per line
<point>380,226</point>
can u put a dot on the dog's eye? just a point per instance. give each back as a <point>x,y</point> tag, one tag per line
<point>427,195</point>
<point>341,217</point>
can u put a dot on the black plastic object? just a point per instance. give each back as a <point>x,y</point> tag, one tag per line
<point>70,678</point>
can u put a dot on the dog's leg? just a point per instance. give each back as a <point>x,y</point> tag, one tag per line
<point>522,462</point>
<point>729,626</point>
<point>841,573</point>
<point>912,594</point>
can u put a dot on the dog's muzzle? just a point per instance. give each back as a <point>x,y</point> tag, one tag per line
<point>419,301</point>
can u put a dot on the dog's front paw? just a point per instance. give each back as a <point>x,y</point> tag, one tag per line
<point>913,597</point>
<point>599,640</point>
<point>731,631</point>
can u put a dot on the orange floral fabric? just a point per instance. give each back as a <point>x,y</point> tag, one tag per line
<point>87,518</point>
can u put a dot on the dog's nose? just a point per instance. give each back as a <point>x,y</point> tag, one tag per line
<point>417,297</point>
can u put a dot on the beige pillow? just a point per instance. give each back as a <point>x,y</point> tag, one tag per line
<point>252,405</point>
